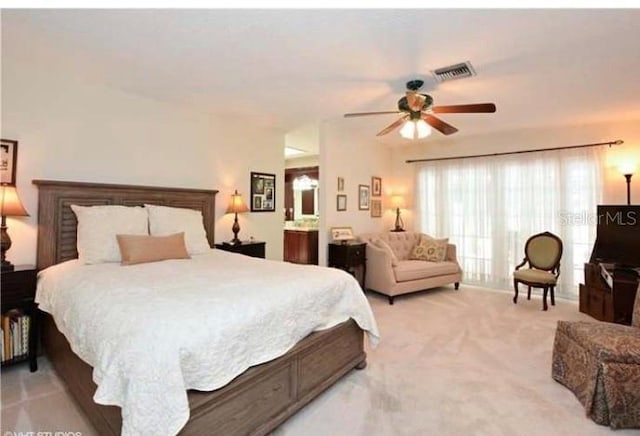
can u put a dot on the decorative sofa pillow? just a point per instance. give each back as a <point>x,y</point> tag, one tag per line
<point>430,249</point>
<point>98,227</point>
<point>142,248</point>
<point>380,243</point>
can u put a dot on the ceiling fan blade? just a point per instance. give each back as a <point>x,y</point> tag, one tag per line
<point>362,114</point>
<point>465,108</point>
<point>393,125</point>
<point>415,101</point>
<point>438,124</point>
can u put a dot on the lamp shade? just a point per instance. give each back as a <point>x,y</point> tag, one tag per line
<point>415,129</point>
<point>236,204</point>
<point>627,167</point>
<point>397,202</point>
<point>10,204</point>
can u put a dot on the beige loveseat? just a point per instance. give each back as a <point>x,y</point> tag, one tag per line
<point>393,277</point>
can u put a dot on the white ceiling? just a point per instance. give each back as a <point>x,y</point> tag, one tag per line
<point>288,68</point>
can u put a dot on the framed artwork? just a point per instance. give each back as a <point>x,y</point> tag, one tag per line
<point>363,197</point>
<point>376,208</point>
<point>376,186</point>
<point>341,202</point>
<point>8,161</point>
<point>263,192</point>
<point>342,233</point>
<point>340,184</point>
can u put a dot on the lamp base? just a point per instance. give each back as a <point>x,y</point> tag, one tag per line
<point>235,241</point>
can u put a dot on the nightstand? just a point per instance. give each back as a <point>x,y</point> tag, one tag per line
<point>248,248</point>
<point>18,292</point>
<point>349,256</point>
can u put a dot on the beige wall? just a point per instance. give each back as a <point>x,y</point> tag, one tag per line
<point>302,162</point>
<point>526,139</point>
<point>71,127</point>
<point>357,160</point>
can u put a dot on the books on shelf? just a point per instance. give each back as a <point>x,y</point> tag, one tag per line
<point>15,334</point>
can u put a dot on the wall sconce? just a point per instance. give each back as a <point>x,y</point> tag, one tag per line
<point>236,206</point>
<point>627,169</point>
<point>10,205</point>
<point>398,202</point>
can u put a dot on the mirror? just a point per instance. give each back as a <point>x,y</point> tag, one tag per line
<point>305,197</point>
<point>301,193</point>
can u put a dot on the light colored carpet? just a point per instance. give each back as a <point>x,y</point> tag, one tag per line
<point>465,362</point>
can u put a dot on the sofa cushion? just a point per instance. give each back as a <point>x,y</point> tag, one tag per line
<point>606,341</point>
<point>535,275</point>
<point>407,270</point>
<point>430,249</point>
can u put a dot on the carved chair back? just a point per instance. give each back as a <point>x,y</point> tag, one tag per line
<point>543,251</point>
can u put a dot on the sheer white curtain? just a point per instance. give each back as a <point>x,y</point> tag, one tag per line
<point>489,206</point>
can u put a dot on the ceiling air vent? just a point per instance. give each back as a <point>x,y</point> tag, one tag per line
<point>453,72</point>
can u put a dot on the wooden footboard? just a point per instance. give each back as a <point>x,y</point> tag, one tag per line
<point>255,402</point>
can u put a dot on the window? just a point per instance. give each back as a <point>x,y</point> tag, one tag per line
<point>488,207</point>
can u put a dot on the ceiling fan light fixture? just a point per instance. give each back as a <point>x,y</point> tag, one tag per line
<point>415,129</point>
<point>422,129</point>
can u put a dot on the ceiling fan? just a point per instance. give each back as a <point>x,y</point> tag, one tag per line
<point>418,110</point>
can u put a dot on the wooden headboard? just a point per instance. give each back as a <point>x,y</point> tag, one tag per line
<point>57,224</point>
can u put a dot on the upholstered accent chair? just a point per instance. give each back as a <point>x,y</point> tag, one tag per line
<point>543,252</point>
<point>600,363</point>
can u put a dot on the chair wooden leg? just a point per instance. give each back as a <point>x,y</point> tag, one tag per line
<point>456,286</point>
<point>553,296</point>
<point>390,300</point>
<point>515,287</point>
<point>529,293</point>
<point>544,298</point>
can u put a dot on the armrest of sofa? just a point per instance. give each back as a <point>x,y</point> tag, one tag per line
<point>451,253</point>
<point>380,275</point>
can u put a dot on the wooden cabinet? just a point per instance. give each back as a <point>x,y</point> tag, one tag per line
<point>348,257</point>
<point>248,248</point>
<point>603,303</point>
<point>301,246</point>
<point>18,292</point>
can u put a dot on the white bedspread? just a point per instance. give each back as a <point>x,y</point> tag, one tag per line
<point>152,331</point>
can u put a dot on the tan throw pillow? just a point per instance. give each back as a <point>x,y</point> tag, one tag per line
<point>136,249</point>
<point>386,247</point>
<point>430,249</point>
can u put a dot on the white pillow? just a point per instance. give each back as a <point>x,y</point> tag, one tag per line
<point>164,220</point>
<point>98,226</point>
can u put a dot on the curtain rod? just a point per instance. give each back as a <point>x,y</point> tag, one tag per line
<point>610,143</point>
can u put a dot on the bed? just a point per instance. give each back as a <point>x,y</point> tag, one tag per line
<point>254,402</point>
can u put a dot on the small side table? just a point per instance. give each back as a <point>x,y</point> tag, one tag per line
<point>248,248</point>
<point>18,292</point>
<point>349,256</point>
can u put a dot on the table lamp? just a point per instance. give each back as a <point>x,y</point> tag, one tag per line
<point>398,202</point>
<point>10,205</point>
<point>236,206</point>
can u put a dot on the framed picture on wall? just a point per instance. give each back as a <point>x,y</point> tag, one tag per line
<point>376,208</point>
<point>376,186</point>
<point>8,161</point>
<point>263,192</point>
<point>341,202</point>
<point>340,184</point>
<point>363,197</point>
